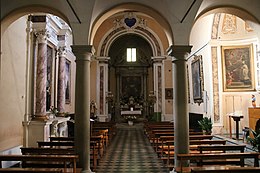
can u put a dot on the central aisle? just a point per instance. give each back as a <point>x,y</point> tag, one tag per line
<point>130,152</point>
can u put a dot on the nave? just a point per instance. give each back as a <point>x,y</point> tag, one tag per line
<point>130,152</point>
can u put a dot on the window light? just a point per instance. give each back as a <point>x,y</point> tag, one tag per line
<point>131,54</point>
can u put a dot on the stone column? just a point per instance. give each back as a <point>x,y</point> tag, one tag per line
<point>83,55</point>
<point>180,102</point>
<point>62,53</point>
<point>158,82</point>
<point>41,75</point>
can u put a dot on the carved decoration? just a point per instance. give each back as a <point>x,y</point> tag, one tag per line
<point>229,25</point>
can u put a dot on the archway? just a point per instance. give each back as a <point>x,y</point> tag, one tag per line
<point>232,29</point>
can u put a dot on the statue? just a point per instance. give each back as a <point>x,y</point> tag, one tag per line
<point>253,101</point>
<point>93,109</point>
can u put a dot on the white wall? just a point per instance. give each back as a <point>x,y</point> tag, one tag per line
<point>229,101</point>
<point>12,87</point>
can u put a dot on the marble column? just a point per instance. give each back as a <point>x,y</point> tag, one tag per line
<point>62,53</point>
<point>83,55</point>
<point>180,102</point>
<point>41,75</point>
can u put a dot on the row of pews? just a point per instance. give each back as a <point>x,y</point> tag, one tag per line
<point>58,154</point>
<point>207,154</point>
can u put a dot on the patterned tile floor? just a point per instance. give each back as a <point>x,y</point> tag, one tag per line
<point>130,152</point>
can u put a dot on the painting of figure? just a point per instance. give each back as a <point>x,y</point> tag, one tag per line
<point>237,66</point>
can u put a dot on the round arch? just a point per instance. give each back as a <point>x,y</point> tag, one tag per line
<point>17,13</point>
<point>133,7</point>
<point>239,12</point>
<point>150,37</point>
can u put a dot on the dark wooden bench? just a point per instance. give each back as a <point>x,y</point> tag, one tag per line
<point>161,140</point>
<point>225,169</point>
<point>58,144</point>
<point>28,170</point>
<point>221,148</point>
<point>43,159</point>
<point>63,143</point>
<point>200,158</point>
<point>59,139</point>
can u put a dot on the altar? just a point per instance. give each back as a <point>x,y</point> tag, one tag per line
<point>131,115</point>
<point>133,112</point>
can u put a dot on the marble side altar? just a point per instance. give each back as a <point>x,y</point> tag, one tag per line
<point>43,130</point>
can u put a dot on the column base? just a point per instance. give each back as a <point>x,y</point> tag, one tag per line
<point>172,171</point>
<point>87,171</point>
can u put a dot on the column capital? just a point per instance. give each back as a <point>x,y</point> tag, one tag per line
<point>178,51</point>
<point>83,52</point>
<point>62,51</point>
<point>42,35</point>
<point>158,59</point>
<point>103,59</point>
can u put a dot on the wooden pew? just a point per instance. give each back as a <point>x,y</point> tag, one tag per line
<point>57,144</point>
<point>62,143</point>
<point>44,159</point>
<point>200,158</point>
<point>110,126</point>
<point>28,170</point>
<point>47,151</point>
<point>221,148</point>
<point>59,139</point>
<point>167,153</point>
<point>225,169</point>
<point>161,140</point>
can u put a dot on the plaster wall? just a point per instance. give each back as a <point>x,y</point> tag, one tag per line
<point>229,102</point>
<point>12,87</point>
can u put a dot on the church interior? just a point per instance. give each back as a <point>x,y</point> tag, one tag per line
<point>124,85</point>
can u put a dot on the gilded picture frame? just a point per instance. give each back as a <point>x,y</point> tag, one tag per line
<point>238,68</point>
<point>197,79</point>
<point>168,93</point>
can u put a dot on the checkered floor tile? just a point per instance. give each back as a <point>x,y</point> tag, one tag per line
<point>130,152</point>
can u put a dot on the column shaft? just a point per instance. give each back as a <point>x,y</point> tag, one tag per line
<point>41,75</point>
<point>82,102</point>
<point>61,79</point>
<point>180,104</point>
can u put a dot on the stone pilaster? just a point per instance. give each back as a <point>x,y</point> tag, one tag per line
<point>180,103</point>
<point>83,55</point>
<point>103,87</point>
<point>158,81</point>
<point>62,53</point>
<point>41,75</point>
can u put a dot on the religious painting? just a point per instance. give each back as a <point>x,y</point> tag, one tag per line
<point>131,86</point>
<point>197,79</point>
<point>67,81</point>
<point>168,93</point>
<point>49,79</point>
<point>238,68</point>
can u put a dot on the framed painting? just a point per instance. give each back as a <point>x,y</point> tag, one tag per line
<point>197,79</point>
<point>67,81</point>
<point>238,68</point>
<point>168,93</point>
<point>131,86</point>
